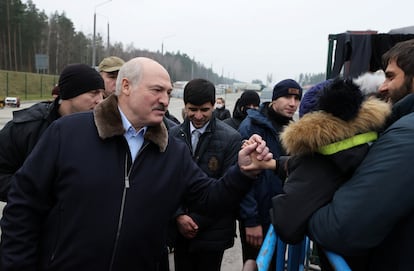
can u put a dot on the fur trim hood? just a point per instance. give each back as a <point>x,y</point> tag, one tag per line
<point>109,123</point>
<point>318,129</point>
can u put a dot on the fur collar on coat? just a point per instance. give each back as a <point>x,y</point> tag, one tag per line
<point>318,129</point>
<point>109,123</point>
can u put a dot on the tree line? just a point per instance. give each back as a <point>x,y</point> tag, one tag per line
<point>25,32</point>
<point>307,79</point>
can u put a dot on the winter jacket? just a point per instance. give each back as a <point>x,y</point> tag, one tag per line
<point>79,203</point>
<point>238,116</point>
<point>254,208</point>
<point>233,122</point>
<point>374,210</point>
<point>313,175</point>
<point>222,113</point>
<point>18,138</point>
<point>217,150</point>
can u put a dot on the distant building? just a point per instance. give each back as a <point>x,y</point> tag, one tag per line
<point>247,86</point>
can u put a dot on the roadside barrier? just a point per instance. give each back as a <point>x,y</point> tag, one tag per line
<point>296,258</point>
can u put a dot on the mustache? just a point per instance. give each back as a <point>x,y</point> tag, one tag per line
<point>160,107</point>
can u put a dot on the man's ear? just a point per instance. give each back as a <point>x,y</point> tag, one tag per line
<point>126,87</point>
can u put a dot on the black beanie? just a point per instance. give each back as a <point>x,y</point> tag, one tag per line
<point>249,97</point>
<point>76,79</point>
<point>342,98</point>
<point>199,91</point>
<point>287,87</point>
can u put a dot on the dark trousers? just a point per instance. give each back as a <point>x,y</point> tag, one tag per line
<point>251,252</point>
<point>184,260</point>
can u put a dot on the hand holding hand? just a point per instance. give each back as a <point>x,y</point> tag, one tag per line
<point>255,163</point>
<point>254,146</point>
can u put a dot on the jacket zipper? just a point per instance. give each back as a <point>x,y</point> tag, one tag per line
<point>121,212</point>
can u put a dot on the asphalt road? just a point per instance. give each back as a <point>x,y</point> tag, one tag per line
<point>232,260</point>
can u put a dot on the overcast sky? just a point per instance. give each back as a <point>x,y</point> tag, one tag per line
<point>241,39</point>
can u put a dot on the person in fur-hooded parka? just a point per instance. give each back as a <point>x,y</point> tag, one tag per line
<point>326,146</point>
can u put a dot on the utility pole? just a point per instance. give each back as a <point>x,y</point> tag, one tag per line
<point>94,33</point>
<point>162,43</point>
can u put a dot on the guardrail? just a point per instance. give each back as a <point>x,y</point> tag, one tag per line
<point>297,258</point>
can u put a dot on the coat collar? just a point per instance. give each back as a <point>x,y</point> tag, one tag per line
<point>211,127</point>
<point>401,108</point>
<point>109,124</point>
<point>317,129</point>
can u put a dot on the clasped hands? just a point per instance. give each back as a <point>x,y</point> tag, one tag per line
<point>255,156</point>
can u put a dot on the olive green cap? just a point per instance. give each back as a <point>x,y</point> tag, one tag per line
<point>110,64</point>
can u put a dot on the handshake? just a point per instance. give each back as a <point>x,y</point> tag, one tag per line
<point>255,156</point>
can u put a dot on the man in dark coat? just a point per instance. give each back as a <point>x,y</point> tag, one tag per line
<point>202,239</point>
<point>101,197</point>
<point>80,88</point>
<point>267,122</point>
<point>373,213</point>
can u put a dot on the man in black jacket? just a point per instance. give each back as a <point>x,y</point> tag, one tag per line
<point>80,90</point>
<point>202,239</point>
<point>101,197</point>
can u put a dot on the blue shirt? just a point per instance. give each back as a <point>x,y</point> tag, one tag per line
<point>201,130</point>
<point>134,138</point>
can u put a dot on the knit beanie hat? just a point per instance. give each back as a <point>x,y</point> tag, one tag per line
<point>76,79</point>
<point>310,99</point>
<point>199,91</point>
<point>342,98</point>
<point>287,87</point>
<point>249,97</point>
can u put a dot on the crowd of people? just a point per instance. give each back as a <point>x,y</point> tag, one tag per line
<point>103,177</point>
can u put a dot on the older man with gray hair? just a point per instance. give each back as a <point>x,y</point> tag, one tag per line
<point>99,188</point>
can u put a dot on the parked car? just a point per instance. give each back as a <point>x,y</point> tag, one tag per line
<point>12,101</point>
<point>266,95</point>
